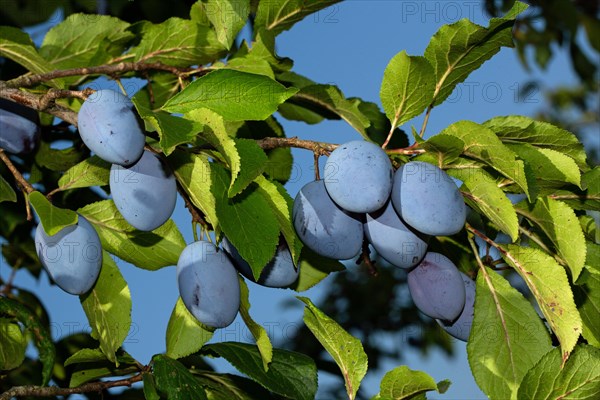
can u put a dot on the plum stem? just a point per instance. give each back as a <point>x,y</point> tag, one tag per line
<point>366,259</point>
<point>316,161</point>
<point>52,391</point>
<point>15,172</point>
<point>426,120</point>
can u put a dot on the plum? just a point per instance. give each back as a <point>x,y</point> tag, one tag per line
<point>208,284</point>
<point>323,226</point>
<point>144,193</point>
<point>279,272</point>
<point>437,288</point>
<point>393,240</point>
<point>428,200</point>
<point>358,176</point>
<point>110,128</point>
<point>461,328</point>
<point>72,257</point>
<point>19,127</point>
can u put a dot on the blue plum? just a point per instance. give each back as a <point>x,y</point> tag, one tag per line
<point>19,127</point>
<point>208,284</point>
<point>358,176</point>
<point>72,257</point>
<point>393,240</point>
<point>144,193</point>
<point>280,272</point>
<point>461,328</point>
<point>323,226</point>
<point>437,288</point>
<point>428,200</point>
<point>109,127</point>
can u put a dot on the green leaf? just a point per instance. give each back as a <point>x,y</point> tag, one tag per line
<point>313,269</point>
<point>483,195</point>
<point>578,379</point>
<point>84,40</point>
<point>247,220</point>
<point>92,171</point>
<point>12,345</point>
<point>380,126</point>
<point>290,374</point>
<point>548,164</point>
<point>53,219</point>
<point>245,158</point>
<point>559,222</point>
<point>147,250</point>
<point>235,95</point>
<point>263,343</point>
<point>97,356</point>
<point>185,335</point>
<point>442,149</point>
<point>549,284</point>
<point>40,334</point>
<point>57,159</point>
<point>519,129</point>
<point>483,145</point>
<point>232,387</point>
<point>249,63</point>
<point>178,42</point>
<point>227,16</point>
<point>193,172</point>
<point>587,298</point>
<point>108,308</point>
<point>404,383</point>
<point>86,356</point>
<point>460,48</point>
<point>346,350</point>
<point>16,45</point>
<point>281,204</point>
<point>507,336</point>
<point>7,193</point>
<point>280,15</point>
<point>407,87</point>
<point>329,101</point>
<point>150,392</point>
<point>586,199</point>
<point>84,373</point>
<point>175,381</point>
<point>171,130</point>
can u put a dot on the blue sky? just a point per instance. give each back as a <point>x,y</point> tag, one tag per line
<point>348,45</point>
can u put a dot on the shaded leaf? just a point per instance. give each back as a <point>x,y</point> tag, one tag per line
<point>290,374</point>
<point>92,171</point>
<point>280,15</point>
<point>175,381</point>
<point>404,383</point>
<point>12,345</point>
<point>7,193</point>
<point>148,250</point>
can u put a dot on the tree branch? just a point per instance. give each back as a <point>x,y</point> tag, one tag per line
<point>18,177</point>
<point>110,69</point>
<point>36,102</point>
<point>51,391</point>
<point>320,148</point>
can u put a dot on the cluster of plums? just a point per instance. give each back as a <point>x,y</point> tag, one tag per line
<point>142,186</point>
<point>361,196</point>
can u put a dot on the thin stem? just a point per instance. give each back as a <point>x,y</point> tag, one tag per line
<point>109,69</point>
<point>425,120</point>
<point>316,161</point>
<point>365,257</point>
<point>32,101</point>
<point>52,391</point>
<point>391,133</point>
<point>407,151</point>
<point>15,172</point>
<point>11,278</point>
